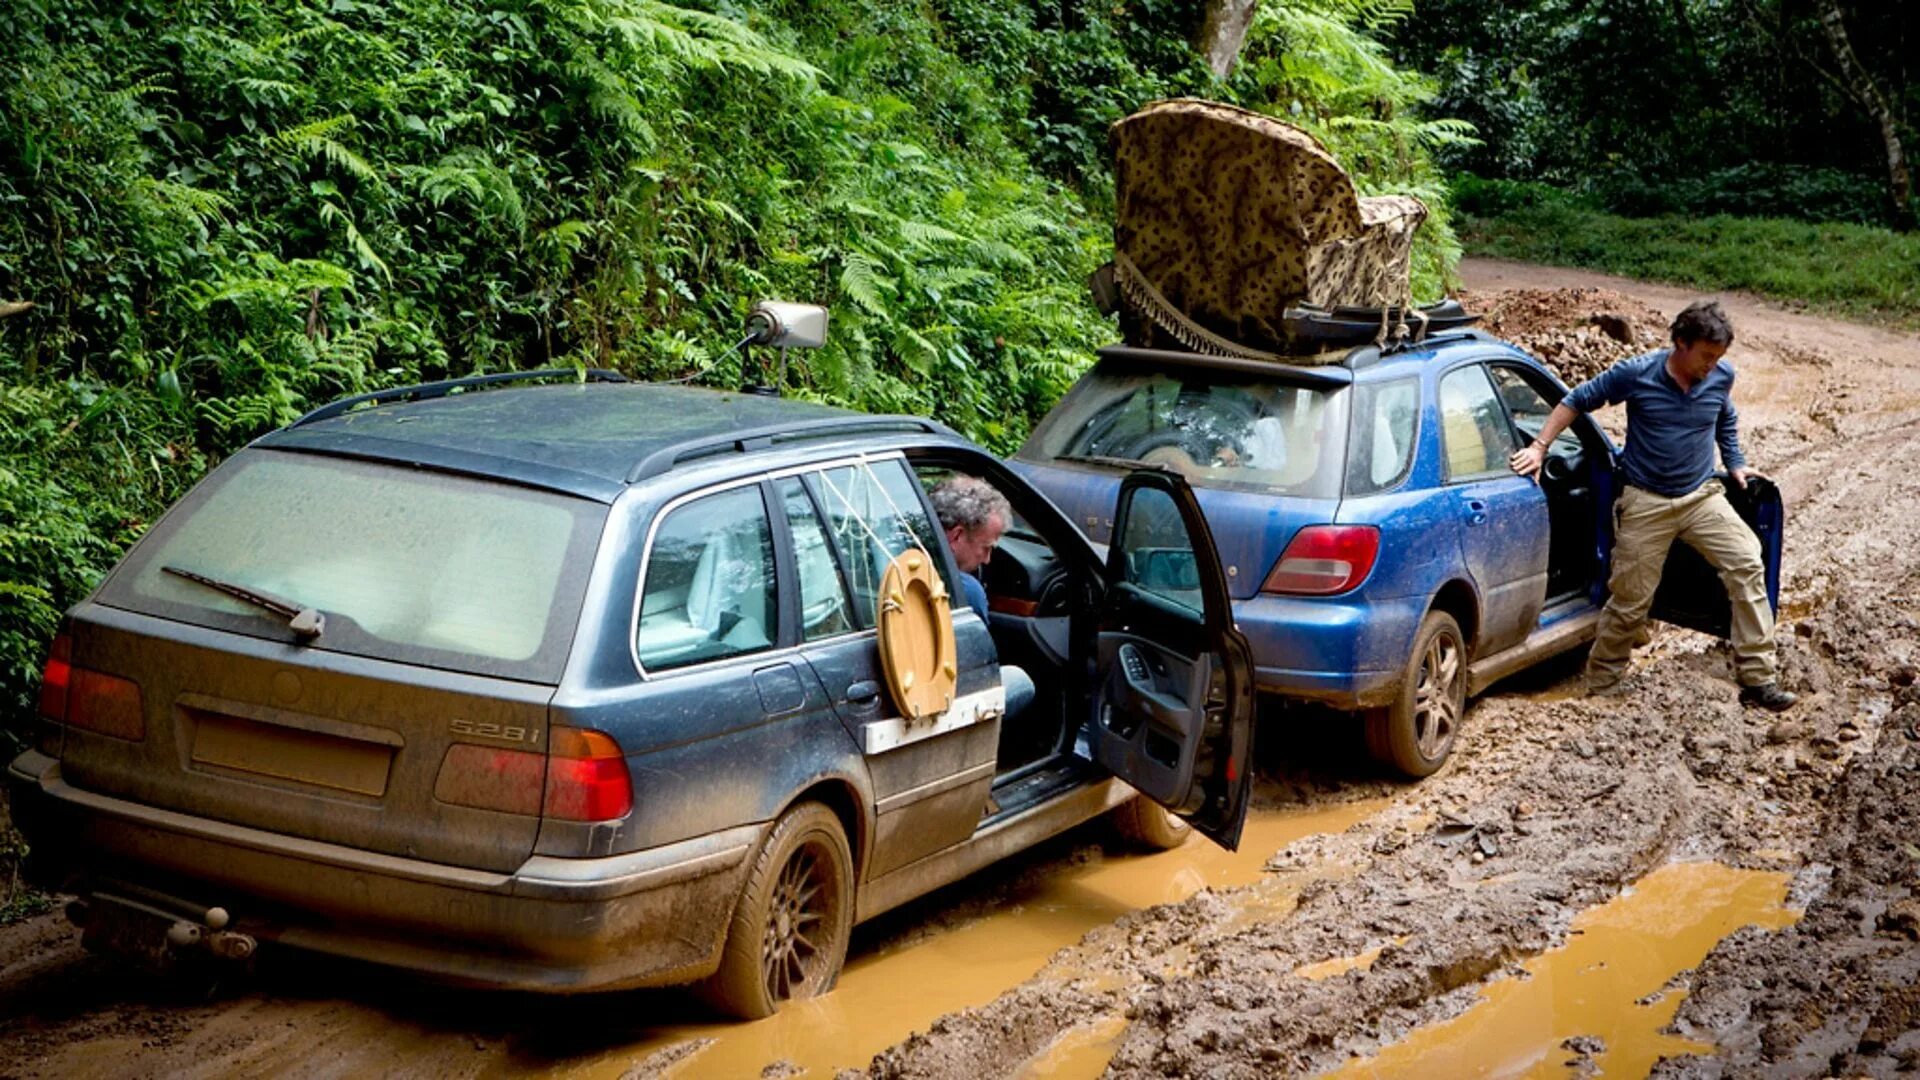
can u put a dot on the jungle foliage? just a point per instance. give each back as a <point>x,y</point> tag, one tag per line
<point>1686,107</point>
<point>226,211</point>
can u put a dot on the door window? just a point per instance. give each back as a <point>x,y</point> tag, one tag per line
<point>824,608</point>
<point>1385,418</point>
<point>1159,551</point>
<point>1530,410</point>
<point>709,591</point>
<point>1473,425</point>
<point>873,512</point>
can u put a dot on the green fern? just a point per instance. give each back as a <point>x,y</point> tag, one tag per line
<point>316,139</point>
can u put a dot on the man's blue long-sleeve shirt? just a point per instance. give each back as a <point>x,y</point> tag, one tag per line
<point>1671,432</point>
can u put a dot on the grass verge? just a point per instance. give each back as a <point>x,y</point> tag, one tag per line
<point>1853,270</point>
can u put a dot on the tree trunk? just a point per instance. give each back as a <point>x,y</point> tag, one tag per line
<point>1223,32</point>
<point>1869,95</point>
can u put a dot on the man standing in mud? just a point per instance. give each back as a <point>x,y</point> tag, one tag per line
<point>1679,406</point>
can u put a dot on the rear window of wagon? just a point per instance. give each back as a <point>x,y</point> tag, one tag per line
<point>406,565</point>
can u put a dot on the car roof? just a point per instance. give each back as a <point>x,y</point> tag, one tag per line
<point>587,439</point>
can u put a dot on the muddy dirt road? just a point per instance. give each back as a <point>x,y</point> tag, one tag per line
<point>1658,882</point>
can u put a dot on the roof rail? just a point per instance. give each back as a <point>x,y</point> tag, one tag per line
<point>424,391</point>
<point>761,438</point>
<point>1462,333</point>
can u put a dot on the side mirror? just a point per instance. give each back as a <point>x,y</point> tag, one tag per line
<point>786,325</point>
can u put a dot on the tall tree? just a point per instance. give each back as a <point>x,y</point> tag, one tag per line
<point>1223,32</point>
<point>1864,90</point>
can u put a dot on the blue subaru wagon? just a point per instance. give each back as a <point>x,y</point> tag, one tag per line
<point>1381,555</point>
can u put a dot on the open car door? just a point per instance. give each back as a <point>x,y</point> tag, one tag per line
<point>1174,703</point>
<point>1690,593</point>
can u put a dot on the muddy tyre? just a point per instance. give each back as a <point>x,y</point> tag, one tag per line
<point>1145,824</point>
<point>788,936</point>
<point>1416,733</point>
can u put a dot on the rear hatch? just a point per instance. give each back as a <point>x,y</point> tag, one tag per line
<point>1263,446</point>
<point>449,605</point>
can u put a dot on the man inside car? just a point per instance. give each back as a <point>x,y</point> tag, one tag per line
<point>974,516</point>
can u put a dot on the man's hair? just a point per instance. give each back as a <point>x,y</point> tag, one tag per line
<point>1702,321</point>
<point>968,501</point>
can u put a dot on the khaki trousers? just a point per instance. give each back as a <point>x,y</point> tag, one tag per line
<point>1645,526</point>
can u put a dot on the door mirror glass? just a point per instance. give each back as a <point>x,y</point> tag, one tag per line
<point>1156,552</point>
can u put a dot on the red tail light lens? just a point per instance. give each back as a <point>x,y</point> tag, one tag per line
<point>56,678</point>
<point>489,778</point>
<point>1323,560</point>
<point>89,700</point>
<point>586,776</point>
<point>582,777</point>
<point>107,704</point>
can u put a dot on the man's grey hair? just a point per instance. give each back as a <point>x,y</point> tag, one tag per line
<point>1703,321</point>
<point>968,501</point>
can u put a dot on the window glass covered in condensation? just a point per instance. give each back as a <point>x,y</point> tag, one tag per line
<point>409,565</point>
<point>709,592</point>
<point>1217,429</point>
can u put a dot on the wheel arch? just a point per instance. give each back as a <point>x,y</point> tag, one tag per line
<point>1458,599</point>
<point>840,795</point>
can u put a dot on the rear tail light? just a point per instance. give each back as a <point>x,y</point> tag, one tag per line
<point>55,679</point>
<point>89,700</point>
<point>489,778</point>
<point>586,777</point>
<point>582,777</point>
<point>1325,559</point>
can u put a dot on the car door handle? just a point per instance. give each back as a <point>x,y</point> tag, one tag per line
<point>1476,511</point>
<point>865,692</point>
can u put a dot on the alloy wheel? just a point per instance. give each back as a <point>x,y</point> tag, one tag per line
<point>1438,696</point>
<point>793,948</point>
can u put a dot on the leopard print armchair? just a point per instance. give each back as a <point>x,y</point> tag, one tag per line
<point>1227,218</point>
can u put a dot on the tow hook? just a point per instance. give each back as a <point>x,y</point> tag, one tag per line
<point>151,932</point>
<point>214,936</point>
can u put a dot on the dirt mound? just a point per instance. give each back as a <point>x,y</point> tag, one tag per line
<point>1578,332</point>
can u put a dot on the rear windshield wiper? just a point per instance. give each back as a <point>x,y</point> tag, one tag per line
<point>305,621</point>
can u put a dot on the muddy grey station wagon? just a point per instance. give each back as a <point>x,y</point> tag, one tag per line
<point>569,687</point>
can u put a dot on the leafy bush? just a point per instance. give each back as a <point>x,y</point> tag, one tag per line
<point>1754,189</point>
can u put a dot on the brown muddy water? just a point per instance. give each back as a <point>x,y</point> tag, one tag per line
<point>1605,995</point>
<point>888,993</point>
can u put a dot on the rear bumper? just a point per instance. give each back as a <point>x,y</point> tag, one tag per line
<point>645,918</point>
<point>1345,652</point>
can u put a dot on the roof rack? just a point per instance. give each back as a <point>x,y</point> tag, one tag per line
<point>761,438</point>
<point>424,391</point>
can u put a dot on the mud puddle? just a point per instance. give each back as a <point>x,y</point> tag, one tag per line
<point>902,986</point>
<point>1080,1054</point>
<point>1605,997</point>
